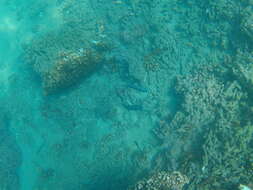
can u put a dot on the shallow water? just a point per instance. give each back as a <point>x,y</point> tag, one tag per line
<point>102,94</point>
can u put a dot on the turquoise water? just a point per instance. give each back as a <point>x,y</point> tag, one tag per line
<point>112,94</point>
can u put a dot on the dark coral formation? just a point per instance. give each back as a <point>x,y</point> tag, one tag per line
<point>69,69</point>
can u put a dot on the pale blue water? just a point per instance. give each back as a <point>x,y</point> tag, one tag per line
<point>100,94</point>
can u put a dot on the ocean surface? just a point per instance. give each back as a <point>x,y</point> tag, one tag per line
<point>126,94</point>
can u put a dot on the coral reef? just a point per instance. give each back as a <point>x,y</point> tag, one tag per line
<point>206,133</point>
<point>62,59</point>
<point>162,181</point>
<point>61,56</point>
<point>69,69</point>
<point>211,118</point>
